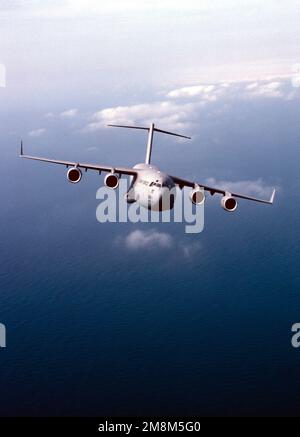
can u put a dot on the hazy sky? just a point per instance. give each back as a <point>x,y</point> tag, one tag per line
<point>91,47</point>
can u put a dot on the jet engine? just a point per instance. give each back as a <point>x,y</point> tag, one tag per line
<point>229,203</point>
<point>74,175</point>
<point>197,196</point>
<point>111,181</point>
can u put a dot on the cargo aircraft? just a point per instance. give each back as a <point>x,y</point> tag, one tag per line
<point>150,186</point>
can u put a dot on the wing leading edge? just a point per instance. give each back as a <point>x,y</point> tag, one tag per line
<point>86,166</point>
<point>185,183</point>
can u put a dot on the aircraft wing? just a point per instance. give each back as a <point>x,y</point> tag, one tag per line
<point>86,166</point>
<point>184,183</point>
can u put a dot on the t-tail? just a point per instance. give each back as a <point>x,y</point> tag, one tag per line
<point>151,129</point>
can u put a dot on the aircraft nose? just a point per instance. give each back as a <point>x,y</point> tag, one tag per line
<point>129,197</point>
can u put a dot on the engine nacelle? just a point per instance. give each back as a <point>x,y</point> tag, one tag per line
<point>197,196</point>
<point>229,203</point>
<point>111,181</point>
<point>74,175</point>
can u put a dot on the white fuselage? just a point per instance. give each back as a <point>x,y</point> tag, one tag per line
<point>152,188</point>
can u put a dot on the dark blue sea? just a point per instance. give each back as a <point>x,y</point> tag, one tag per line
<point>94,328</point>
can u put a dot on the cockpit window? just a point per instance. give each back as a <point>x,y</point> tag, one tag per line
<point>167,184</point>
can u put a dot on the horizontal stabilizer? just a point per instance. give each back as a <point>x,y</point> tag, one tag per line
<point>128,127</point>
<point>171,133</point>
<point>155,129</point>
<point>151,129</point>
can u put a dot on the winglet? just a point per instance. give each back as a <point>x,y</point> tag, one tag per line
<point>21,154</point>
<point>272,196</point>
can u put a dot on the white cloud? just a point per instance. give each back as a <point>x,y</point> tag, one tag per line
<point>152,239</point>
<point>169,115</point>
<point>296,76</point>
<point>92,149</point>
<point>69,113</point>
<point>251,187</point>
<point>231,90</point>
<point>37,132</point>
<point>180,109</point>
<point>49,115</point>
<point>252,86</point>
<point>148,240</point>
<point>190,249</point>
<point>271,89</point>
<point>203,93</point>
<point>192,91</point>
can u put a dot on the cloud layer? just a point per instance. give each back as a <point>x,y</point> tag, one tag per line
<point>37,132</point>
<point>148,240</point>
<point>154,240</point>
<point>180,107</point>
<point>69,113</point>
<point>169,114</point>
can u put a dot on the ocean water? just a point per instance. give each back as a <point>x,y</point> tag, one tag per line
<point>94,328</point>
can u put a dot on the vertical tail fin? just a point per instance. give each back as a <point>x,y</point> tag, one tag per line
<point>149,144</point>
